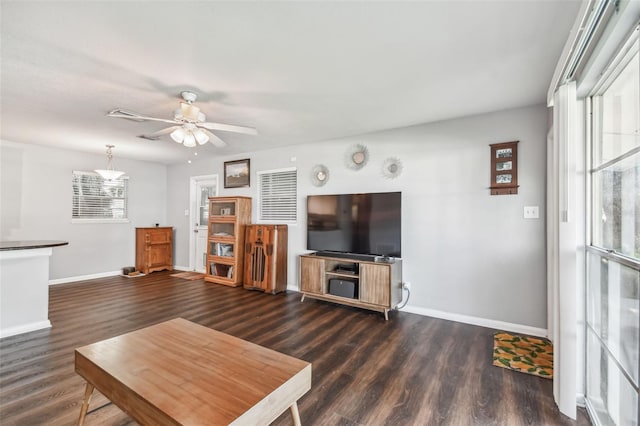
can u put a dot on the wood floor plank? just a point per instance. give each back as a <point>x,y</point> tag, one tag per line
<point>410,370</point>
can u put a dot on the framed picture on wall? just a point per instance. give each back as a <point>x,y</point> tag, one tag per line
<point>504,168</point>
<point>237,173</point>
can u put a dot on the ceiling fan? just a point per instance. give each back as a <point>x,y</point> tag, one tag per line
<point>190,127</point>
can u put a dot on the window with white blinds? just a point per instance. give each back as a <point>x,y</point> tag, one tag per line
<point>278,194</point>
<point>98,199</point>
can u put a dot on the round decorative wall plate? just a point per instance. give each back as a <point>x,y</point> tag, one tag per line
<point>357,157</point>
<point>319,175</point>
<point>392,168</point>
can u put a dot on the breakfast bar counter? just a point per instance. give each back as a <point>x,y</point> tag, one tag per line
<point>24,285</point>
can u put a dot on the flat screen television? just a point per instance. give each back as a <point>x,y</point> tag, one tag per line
<point>364,224</point>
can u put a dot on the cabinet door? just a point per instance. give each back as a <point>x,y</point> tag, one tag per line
<point>311,275</point>
<point>222,208</point>
<point>159,236</point>
<point>159,255</point>
<point>222,229</point>
<point>374,284</point>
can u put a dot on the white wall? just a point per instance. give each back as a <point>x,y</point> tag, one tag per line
<point>465,252</point>
<point>35,198</point>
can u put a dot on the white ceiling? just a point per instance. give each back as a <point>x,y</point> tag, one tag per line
<point>297,71</point>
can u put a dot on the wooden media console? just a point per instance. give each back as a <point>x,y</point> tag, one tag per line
<point>378,284</point>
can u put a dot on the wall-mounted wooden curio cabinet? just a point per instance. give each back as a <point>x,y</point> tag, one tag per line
<point>504,168</point>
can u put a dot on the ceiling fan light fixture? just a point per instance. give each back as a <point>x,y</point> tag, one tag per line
<point>189,140</point>
<point>178,135</point>
<point>200,136</point>
<point>190,112</point>
<point>109,173</point>
<point>188,126</point>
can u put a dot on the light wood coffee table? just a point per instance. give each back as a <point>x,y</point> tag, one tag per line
<point>178,372</point>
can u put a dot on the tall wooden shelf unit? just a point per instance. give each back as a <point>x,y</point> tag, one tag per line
<point>228,217</point>
<point>379,284</point>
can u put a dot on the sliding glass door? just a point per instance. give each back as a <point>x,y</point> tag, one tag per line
<point>613,258</point>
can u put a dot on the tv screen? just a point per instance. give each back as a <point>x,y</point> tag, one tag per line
<point>355,223</point>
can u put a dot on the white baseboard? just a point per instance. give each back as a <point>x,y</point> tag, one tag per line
<point>12,331</point>
<point>291,287</point>
<point>466,319</point>
<point>482,322</point>
<point>101,275</point>
<point>182,268</point>
<point>84,277</point>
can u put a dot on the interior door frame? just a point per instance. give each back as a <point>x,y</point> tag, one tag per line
<point>193,213</point>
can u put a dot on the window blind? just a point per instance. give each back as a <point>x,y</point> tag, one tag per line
<point>97,198</point>
<point>278,195</point>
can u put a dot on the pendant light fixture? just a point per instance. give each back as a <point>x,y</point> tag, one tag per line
<point>109,173</point>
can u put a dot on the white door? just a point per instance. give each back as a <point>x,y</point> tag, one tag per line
<point>203,187</point>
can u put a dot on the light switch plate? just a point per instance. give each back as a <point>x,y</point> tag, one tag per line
<point>531,212</point>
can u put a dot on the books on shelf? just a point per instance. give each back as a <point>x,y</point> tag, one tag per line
<point>220,270</point>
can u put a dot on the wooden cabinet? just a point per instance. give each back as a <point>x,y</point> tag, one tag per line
<point>378,285</point>
<point>154,249</point>
<point>265,262</point>
<point>228,217</point>
<point>374,284</point>
<point>311,275</point>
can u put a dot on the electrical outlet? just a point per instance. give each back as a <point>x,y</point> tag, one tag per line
<point>531,212</point>
<point>406,285</point>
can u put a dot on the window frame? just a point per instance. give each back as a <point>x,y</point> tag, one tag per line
<point>97,220</point>
<point>602,358</point>
<point>595,117</point>
<point>260,218</point>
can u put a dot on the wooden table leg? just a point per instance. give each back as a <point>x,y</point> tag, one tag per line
<point>85,403</point>
<point>295,415</point>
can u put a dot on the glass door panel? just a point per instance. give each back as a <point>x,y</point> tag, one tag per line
<point>619,118</point>
<point>613,269</point>
<point>616,206</point>
<point>612,311</point>
<point>223,209</point>
<point>222,229</point>
<point>221,249</point>
<point>611,397</point>
<point>204,187</point>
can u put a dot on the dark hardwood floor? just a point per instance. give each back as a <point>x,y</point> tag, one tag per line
<point>411,370</point>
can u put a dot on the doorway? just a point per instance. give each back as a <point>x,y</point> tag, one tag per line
<point>201,188</point>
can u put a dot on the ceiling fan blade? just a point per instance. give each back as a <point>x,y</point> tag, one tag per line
<point>123,113</point>
<point>228,128</point>
<point>214,139</point>
<point>156,135</point>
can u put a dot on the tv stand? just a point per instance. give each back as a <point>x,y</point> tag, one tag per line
<point>379,284</point>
